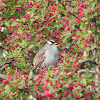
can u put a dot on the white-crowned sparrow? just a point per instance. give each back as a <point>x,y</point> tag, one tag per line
<point>47,56</point>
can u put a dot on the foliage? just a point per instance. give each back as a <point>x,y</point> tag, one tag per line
<point>25,26</point>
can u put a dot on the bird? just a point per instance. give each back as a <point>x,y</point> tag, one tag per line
<point>47,56</point>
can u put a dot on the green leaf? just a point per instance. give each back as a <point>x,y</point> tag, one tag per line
<point>23,44</point>
<point>46,31</point>
<point>75,90</point>
<point>6,23</point>
<point>94,46</point>
<point>2,76</point>
<point>18,6</point>
<point>97,73</point>
<point>88,49</point>
<point>23,60</point>
<point>30,75</point>
<point>85,54</point>
<point>20,1</point>
<point>2,94</point>
<point>49,29</point>
<point>0,61</point>
<point>73,26</point>
<point>7,89</point>
<point>16,53</point>
<point>10,55</point>
<point>83,81</point>
<point>0,13</point>
<point>18,64</point>
<point>65,39</point>
<point>74,3</point>
<point>83,24</point>
<point>36,17</point>
<point>9,69</point>
<point>85,18</point>
<point>88,87</point>
<point>95,14</point>
<point>86,11</point>
<point>87,70</point>
<point>13,23</point>
<point>50,67</point>
<point>19,20</point>
<point>69,73</point>
<point>24,20</point>
<point>97,86</point>
<point>20,31</point>
<point>40,28</point>
<point>31,46</point>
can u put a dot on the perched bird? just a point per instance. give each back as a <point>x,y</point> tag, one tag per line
<point>47,56</point>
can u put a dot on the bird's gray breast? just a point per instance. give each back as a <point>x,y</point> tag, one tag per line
<point>52,56</point>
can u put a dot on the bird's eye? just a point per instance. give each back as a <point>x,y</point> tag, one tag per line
<point>50,42</point>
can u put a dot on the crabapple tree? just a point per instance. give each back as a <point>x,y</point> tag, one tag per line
<point>25,25</point>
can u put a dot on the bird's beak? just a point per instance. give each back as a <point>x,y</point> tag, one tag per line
<point>55,44</point>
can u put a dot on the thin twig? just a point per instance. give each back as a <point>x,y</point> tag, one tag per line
<point>2,78</point>
<point>7,63</point>
<point>65,8</point>
<point>2,47</point>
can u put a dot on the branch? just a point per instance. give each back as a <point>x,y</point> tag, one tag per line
<point>62,4</point>
<point>2,78</point>
<point>2,47</point>
<point>94,20</point>
<point>65,8</point>
<point>7,63</point>
<point>97,81</point>
<point>88,60</point>
<point>80,97</point>
<point>83,70</point>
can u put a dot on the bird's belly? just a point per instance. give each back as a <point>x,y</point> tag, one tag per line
<point>51,60</point>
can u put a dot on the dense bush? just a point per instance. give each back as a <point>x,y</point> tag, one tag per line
<point>25,26</point>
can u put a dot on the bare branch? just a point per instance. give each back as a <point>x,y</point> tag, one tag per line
<point>83,70</point>
<point>88,60</point>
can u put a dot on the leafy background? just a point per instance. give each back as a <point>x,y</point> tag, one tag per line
<point>25,26</point>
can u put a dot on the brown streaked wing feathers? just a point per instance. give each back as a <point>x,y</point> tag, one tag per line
<point>39,58</point>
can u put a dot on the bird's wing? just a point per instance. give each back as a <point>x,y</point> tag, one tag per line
<point>39,59</point>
